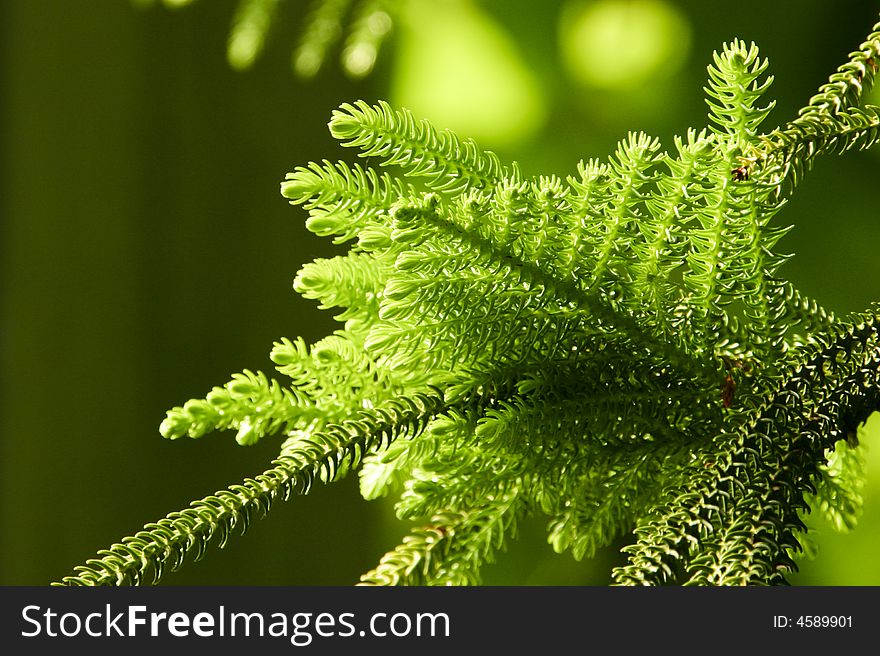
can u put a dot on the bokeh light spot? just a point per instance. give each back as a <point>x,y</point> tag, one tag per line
<point>615,44</point>
<point>457,67</point>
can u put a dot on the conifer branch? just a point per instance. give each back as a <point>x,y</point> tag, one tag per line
<point>450,549</point>
<point>847,86</point>
<point>735,520</point>
<point>448,163</point>
<point>616,349</point>
<point>342,200</point>
<point>834,121</point>
<point>165,544</point>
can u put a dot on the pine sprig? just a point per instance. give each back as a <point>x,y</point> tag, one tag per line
<point>834,121</point>
<point>398,138</point>
<point>851,82</point>
<point>839,487</point>
<point>165,544</point>
<point>450,549</point>
<point>250,403</point>
<point>342,200</point>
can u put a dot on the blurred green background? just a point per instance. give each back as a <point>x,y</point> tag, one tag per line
<point>147,254</point>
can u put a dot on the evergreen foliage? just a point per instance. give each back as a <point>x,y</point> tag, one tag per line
<point>615,350</point>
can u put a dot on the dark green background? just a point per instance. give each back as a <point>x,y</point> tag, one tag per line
<point>147,254</point>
